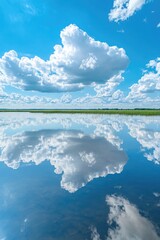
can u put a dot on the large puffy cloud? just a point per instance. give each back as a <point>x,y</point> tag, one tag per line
<point>148,84</point>
<point>80,61</point>
<point>123,9</point>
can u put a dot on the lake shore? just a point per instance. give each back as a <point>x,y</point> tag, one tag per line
<point>143,112</point>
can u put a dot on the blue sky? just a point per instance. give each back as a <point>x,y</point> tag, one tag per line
<point>79,54</point>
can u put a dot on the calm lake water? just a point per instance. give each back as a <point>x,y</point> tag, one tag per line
<point>80,177</point>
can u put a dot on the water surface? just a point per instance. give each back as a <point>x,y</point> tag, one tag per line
<point>81,177</point>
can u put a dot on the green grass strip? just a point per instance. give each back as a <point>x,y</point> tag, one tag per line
<point>144,112</point>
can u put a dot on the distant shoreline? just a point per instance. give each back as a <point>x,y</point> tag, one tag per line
<point>143,112</point>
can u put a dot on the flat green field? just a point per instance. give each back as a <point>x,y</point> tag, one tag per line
<point>145,112</point>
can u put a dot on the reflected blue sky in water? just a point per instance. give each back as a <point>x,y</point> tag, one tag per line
<point>79,177</point>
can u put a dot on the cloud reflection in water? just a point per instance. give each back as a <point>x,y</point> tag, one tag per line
<point>80,147</point>
<point>78,157</point>
<point>125,222</point>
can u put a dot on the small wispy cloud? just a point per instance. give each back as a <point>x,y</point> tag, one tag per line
<point>19,11</point>
<point>145,20</point>
<point>158,25</point>
<point>29,9</point>
<point>120,31</point>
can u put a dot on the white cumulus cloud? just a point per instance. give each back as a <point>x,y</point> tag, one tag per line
<point>80,61</point>
<point>123,9</point>
<point>148,84</point>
